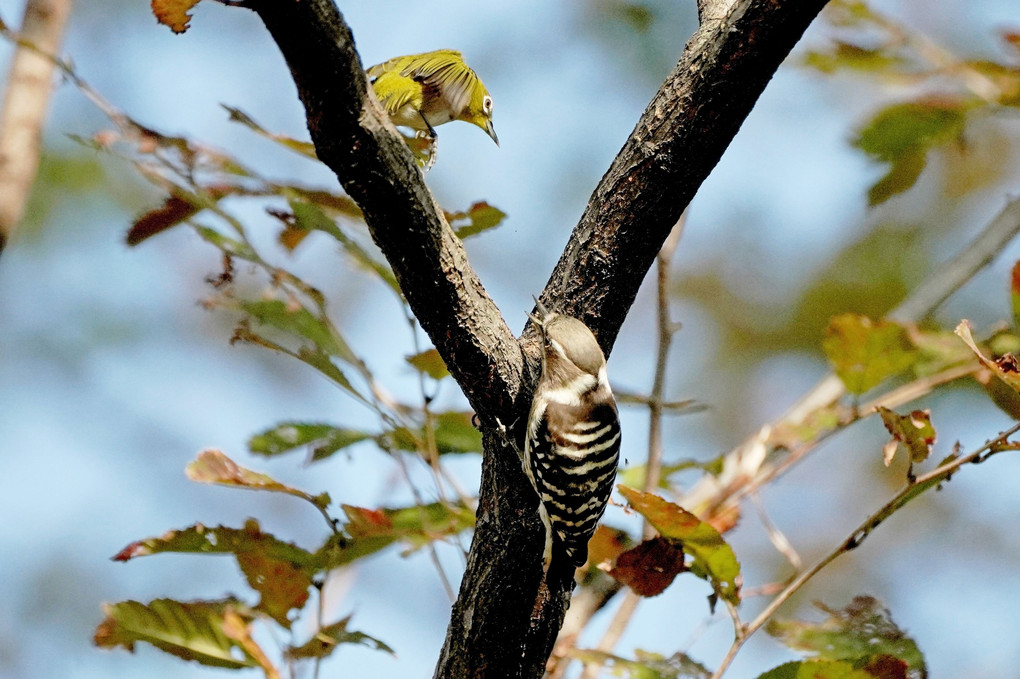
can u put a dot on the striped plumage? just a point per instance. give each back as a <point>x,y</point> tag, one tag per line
<point>573,437</point>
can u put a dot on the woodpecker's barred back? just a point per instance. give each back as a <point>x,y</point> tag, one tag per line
<point>573,438</point>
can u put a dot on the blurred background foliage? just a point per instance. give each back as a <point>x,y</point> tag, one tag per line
<point>833,198</point>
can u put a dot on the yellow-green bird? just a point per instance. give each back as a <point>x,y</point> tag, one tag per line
<point>422,91</point>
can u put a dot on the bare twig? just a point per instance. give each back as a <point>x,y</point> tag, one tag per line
<point>29,85</point>
<point>757,458</point>
<point>665,328</point>
<point>910,491</point>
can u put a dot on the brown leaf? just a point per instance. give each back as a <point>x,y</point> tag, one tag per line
<point>283,585</point>
<point>606,544</point>
<point>239,630</point>
<point>173,13</point>
<point>887,667</point>
<point>649,568</point>
<point>172,212</point>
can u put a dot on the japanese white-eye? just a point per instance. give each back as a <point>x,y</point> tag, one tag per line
<point>422,91</point>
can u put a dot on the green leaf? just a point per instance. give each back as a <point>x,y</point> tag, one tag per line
<point>902,134</point>
<point>938,350</point>
<point>713,559</point>
<point>310,217</point>
<point>191,631</point>
<point>199,539</point>
<point>913,433</point>
<point>1014,293</point>
<point>304,148</point>
<point>634,476</point>
<point>331,636</point>
<point>645,665</point>
<point>430,363</point>
<point>416,525</point>
<point>455,433</point>
<point>321,361</point>
<point>324,439</point>
<point>906,127</point>
<point>479,217</point>
<point>341,550</point>
<point>230,246</point>
<point>845,55</point>
<point>902,175</point>
<point>296,319</point>
<point>861,633</point>
<point>864,353</point>
<point>817,669</point>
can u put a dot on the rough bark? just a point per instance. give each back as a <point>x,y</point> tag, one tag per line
<point>505,620</point>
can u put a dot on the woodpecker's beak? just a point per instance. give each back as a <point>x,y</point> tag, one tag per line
<point>491,131</point>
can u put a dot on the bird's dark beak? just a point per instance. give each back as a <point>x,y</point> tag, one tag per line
<point>491,131</point>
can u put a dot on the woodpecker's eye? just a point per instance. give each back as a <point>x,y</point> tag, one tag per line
<point>487,104</point>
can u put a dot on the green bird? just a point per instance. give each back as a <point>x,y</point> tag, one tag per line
<point>422,91</point>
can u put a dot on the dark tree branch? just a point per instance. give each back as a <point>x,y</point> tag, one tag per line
<point>353,136</point>
<point>676,143</point>
<point>507,614</point>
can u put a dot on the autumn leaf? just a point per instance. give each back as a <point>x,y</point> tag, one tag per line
<point>817,669</point>
<point>861,633</point>
<point>191,631</point>
<point>281,585</point>
<point>173,13</point>
<point>479,217</point>
<point>327,639</point>
<point>173,211</point>
<point>649,568</point>
<point>1006,367</point>
<point>645,665</point>
<point>200,539</point>
<point>415,525</point>
<point>606,544</point>
<point>713,559</point>
<point>913,433</point>
<point>1014,293</point>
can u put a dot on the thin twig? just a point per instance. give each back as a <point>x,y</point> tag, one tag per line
<point>776,536</point>
<point>746,464</point>
<point>666,329</point>
<point>921,484</point>
<point>892,399</point>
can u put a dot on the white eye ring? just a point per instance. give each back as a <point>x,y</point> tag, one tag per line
<point>487,104</point>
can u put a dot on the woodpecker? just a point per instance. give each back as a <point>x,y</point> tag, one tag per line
<point>573,436</point>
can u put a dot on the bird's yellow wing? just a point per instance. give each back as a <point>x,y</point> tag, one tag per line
<point>395,91</point>
<point>442,73</point>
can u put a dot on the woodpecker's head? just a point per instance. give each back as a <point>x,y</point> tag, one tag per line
<point>568,347</point>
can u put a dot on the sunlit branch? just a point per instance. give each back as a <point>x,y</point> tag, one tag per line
<point>921,484</point>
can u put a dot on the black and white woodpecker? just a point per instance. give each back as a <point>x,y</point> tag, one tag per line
<point>573,436</point>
